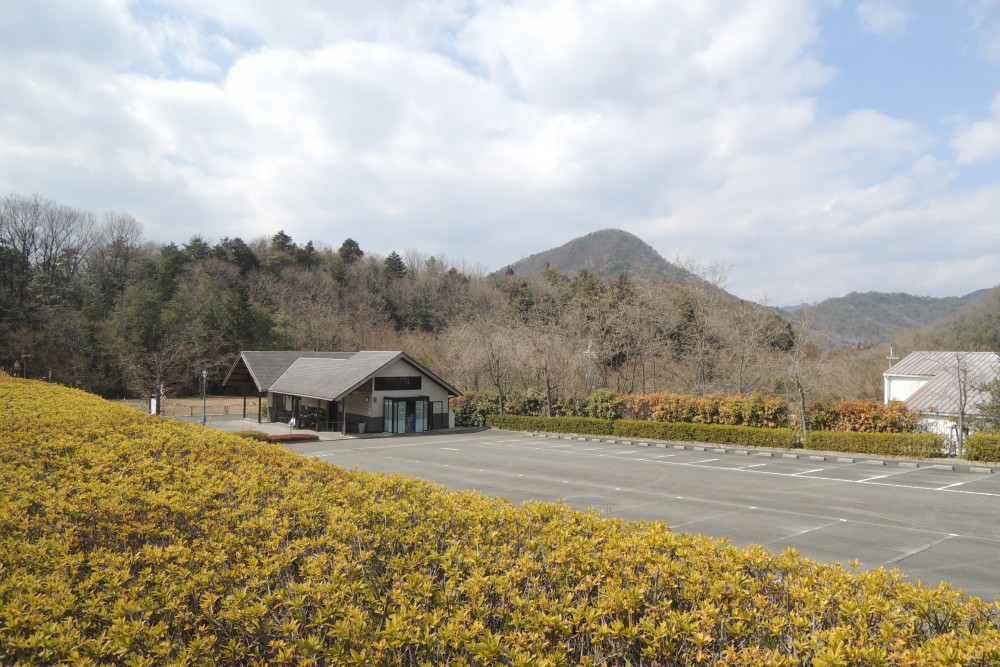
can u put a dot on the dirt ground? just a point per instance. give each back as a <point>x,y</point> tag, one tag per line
<point>189,407</point>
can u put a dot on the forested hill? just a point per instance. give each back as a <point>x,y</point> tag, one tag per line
<point>608,252</point>
<point>975,325</point>
<point>89,303</point>
<point>875,317</point>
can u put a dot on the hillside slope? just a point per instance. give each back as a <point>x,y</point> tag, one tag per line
<point>127,539</point>
<point>975,325</point>
<point>874,317</point>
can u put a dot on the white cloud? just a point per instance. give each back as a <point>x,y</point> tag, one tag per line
<point>980,141</point>
<point>884,17</point>
<point>487,130</point>
<point>984,17</point>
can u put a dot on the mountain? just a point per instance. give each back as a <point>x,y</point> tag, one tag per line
<point>874,317</point>
<point>975,325</point>
<point>608,252</point>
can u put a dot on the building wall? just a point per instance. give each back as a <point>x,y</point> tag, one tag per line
<point>372,412</point>
<point>901,388</point>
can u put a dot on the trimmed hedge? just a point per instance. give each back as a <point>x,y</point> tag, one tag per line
<point>625,428</point>
<point>581,425</point>
<point>784,438</point>
<point>916,445</point>
<point>131,540</point>
<point>982,447</point>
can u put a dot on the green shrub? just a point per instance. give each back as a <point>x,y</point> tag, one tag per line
<point>472,408</point>
<point>601,404</point>
<point>126,539</point>
<point>916,445</point>
<point>982,447</point>
<point>259,436</point>
<point>623,428</point>
<point>293,437</point>
<point>783,438</point>
<point>581,425</point>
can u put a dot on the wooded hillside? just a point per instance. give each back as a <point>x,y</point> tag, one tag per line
<point>89,303</point>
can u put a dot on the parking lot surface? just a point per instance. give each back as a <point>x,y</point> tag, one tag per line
<point>932,524</point>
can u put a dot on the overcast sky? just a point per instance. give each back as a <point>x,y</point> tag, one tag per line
<point>816,147</point>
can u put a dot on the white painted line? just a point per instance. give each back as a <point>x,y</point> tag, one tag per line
<point>755,465</point>
<point>914,552</point>
<point>949,486</point>
<point>449,449</point>
<point>868,479</point>
<point>807,472</point>
<point>809,530</point>
<point>703,461</point>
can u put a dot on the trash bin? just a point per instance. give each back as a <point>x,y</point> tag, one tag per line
<point>361,427</point>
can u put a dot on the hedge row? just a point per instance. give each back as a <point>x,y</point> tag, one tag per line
<point>626,428</point>
<point>581,425</point>
<point>915,445</point>
<point>130,540</point>
<point>721,434</point>
<point>982,447</point>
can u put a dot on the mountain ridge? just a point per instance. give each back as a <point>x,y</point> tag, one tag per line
<point>861,319</point>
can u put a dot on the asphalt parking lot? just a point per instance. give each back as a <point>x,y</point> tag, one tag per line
<point>933,524</point>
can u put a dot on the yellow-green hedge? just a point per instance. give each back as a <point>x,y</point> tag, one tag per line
<point>130,540</point>
<point>626,428</point>
<point>711,433</point>
<point>581,425</point>
<point>915,445</point>
<point>982,447</point>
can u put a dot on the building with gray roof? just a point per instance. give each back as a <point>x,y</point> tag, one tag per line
<point>942,387</point>
<point>366,391</point>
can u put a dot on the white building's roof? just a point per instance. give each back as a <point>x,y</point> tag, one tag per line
<point>941,395</point>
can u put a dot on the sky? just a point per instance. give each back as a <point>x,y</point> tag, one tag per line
<point>812,147</point>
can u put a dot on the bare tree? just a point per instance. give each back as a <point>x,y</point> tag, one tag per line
<point>804,367</point>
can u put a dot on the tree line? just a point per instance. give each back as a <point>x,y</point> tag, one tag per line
<point>86,301</point>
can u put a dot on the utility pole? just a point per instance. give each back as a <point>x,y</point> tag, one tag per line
<point>204,404</point>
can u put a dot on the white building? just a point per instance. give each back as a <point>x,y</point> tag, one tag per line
<point>933,385</point>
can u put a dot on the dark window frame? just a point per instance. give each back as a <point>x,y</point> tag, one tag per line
<point>399,383</point>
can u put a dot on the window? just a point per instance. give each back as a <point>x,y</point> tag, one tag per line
<point>397,383</point>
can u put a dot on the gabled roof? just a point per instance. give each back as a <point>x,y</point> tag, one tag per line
<point>264,368</point>
<point>941,393</point>
<point>331,379</point>
<point>322,375</point>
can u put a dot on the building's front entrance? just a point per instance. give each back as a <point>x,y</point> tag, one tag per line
<point>406,415</point>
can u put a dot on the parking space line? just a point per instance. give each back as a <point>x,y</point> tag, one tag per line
<point>806,531</point>
<point>919,550</point>
<point>874,481</point>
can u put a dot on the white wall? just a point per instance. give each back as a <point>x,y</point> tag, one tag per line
<point>429,387</point>
<point>901,388</point>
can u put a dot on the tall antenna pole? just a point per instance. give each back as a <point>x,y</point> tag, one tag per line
<point>892,358</point>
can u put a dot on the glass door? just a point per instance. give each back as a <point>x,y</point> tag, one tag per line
<point>420,423</point>
<point>400,417</point>
<point>388,414</point>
